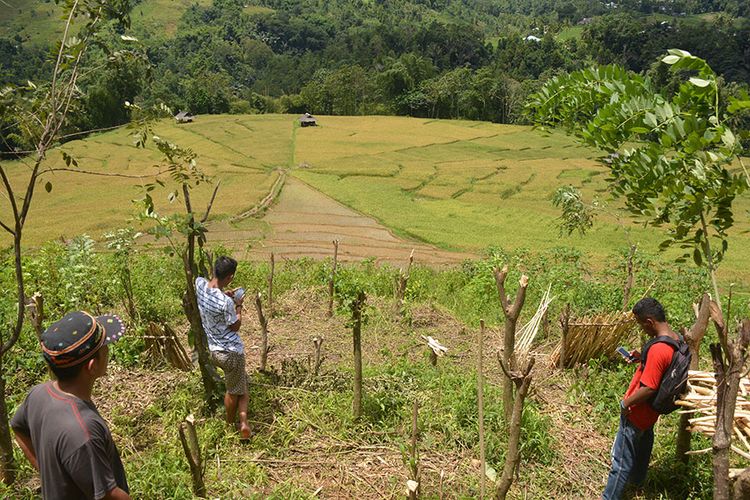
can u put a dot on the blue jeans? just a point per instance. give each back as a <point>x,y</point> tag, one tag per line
<point>630,455</point>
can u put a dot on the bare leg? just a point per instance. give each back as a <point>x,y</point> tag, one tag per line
<point>230,403</point>
<point>242,407</point>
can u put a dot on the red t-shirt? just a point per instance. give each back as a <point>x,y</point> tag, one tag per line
<point>658,359</point>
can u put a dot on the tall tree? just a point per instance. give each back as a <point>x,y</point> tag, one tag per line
<point>42,112</point>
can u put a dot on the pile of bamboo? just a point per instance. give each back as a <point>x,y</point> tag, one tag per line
<point>162,344</point>
<point>526,335</point>
<point>590,337</point>
<point>700,400</point>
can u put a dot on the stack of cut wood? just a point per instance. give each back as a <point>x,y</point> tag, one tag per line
<point>590,337</point>
<point>700,400</point>
<point>162,344</point>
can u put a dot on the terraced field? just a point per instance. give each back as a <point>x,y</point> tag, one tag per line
<point>382,185</point>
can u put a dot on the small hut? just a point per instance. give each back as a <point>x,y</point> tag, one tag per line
<point>183,117</point>
<point>308,120</point>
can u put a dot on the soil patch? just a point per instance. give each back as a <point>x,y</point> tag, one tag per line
<point>303,223</point>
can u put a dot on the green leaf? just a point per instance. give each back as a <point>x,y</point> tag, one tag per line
<point>670,59</point>
<point>699,82</point>
<point>48,187</point>
<point>679,52</point>
<point>697,257</point>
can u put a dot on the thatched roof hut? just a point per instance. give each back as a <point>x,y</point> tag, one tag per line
<point>184,117</point>
<point>308,120</point>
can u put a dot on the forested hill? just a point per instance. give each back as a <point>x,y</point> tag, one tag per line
<point>475,59</point>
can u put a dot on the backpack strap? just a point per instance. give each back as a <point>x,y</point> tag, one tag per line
<point>675,344</point>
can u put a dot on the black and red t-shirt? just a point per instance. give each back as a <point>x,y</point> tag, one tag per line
<point>658,360</point>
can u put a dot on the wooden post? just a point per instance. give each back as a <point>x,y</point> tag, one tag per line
<point>357,340</point>
<point>629,280</point>
<point>414,453</point>
<point>564,326</point>
<point>332,280</point>
<point>433,358</point>
<point>270,288</point>
<point>263,333</point>
<point>403,282</point>
<point>728,376</point>
<point>318,342</point>
<point>513,457</point>
<point>35,310</point>
<point>191,447</point>
<point>480,406</point>
<point>693,337</point>
<point>511,312</point>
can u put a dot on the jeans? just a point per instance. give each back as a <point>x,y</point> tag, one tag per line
<point>631,452</point>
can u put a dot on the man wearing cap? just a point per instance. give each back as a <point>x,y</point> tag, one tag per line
<point>58,426</point>
<point>221,316</point>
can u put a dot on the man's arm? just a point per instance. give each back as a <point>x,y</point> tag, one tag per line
<point>235,327</point>
<point>642,395</point>
<point>24,442</point>
<point>116,494</point>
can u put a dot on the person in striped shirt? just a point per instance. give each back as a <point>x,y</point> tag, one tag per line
<point>221,315</point>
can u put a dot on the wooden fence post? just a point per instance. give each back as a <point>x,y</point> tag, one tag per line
<point>480,405</point>
<point>35,310</point>
<point>318,342</point>
<point>414,487</point>
<point>693,337</point>
<point>511,312</point>
<point>629,280</point>
<point>728,376</point>
<point>332,280</point>
<point>191,447</point>
<point>263,333</point>
<point>270,288</point>
<point>403,283</point>
<point>357,306</point>
<point>564,326</point>
<point>513,457</point>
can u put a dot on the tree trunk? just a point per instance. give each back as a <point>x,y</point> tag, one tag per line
<point>513,456</point>
<point>6,441</point>
<point>693,337</point>
<point>742,485</point>
<point>332,280</point>
<point>263,333</point>
<point>211,381</point>
<point>192,449</point>
<point>511,312</point>
<point>357,339</point>
<point>727,386</point>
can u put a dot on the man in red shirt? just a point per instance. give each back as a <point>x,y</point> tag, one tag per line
<point>631,450</point>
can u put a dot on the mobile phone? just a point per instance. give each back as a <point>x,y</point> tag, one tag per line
<point>624,353</point>
<point>238,294</point>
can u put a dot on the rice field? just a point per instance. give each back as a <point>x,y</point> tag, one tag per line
<point>469,185</point>
<point>242,152</point>
<point>458,185</point>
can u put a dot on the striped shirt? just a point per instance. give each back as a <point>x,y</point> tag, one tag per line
<point>217,313</point>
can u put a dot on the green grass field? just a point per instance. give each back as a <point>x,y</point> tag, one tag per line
<point>455,184</point>
<point>40,20</point>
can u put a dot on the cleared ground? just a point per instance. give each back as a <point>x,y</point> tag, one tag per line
<point>304,222</point>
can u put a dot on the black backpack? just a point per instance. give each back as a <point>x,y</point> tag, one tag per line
<point>674,381</point>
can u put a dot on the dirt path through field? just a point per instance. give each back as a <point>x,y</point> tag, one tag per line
<point>304,222</point>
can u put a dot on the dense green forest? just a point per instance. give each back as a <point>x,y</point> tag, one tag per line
<point>473,59</point>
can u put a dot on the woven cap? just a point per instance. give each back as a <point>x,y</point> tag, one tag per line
<point>78,336</point>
